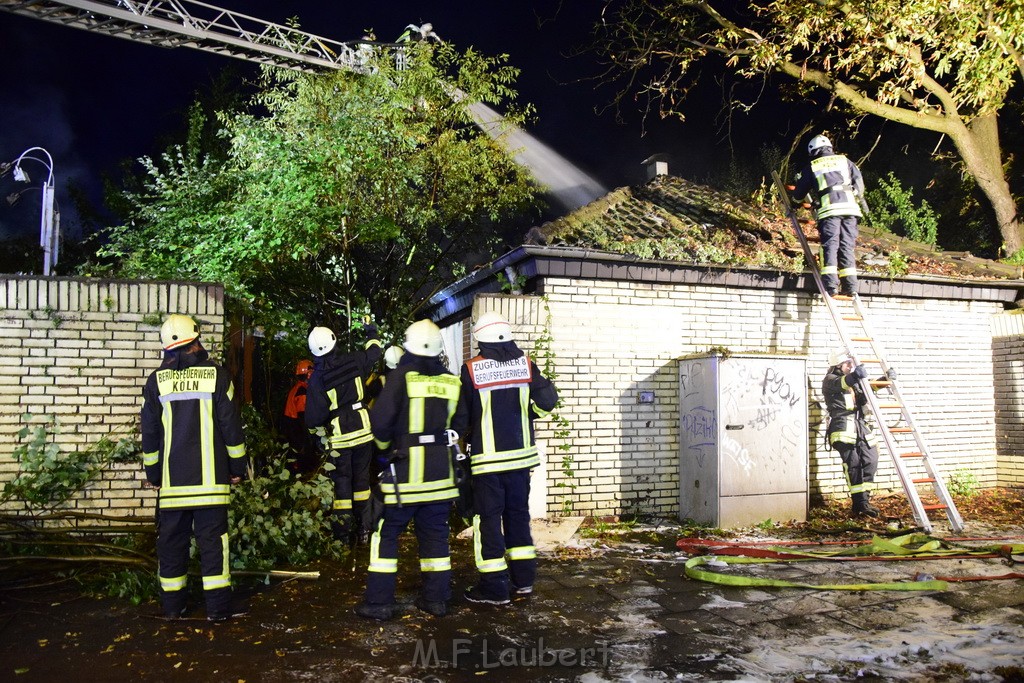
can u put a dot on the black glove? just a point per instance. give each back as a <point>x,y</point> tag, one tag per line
<point>890,374</point>
<point>857,374</point>
<point>370,331</point>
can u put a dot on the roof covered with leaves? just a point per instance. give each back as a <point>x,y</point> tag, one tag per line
<point>670,218</point>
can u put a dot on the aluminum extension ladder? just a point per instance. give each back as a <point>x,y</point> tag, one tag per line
<point>899,432</point>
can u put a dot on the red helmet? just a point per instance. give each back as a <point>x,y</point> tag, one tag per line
<point>304,368</point>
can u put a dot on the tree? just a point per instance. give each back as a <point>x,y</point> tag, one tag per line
<point>340,193</point>
<point>945,66</point>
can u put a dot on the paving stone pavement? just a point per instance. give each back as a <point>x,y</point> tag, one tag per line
<point>602,610</point>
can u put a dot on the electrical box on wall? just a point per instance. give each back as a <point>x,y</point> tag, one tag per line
<point>743,439</point>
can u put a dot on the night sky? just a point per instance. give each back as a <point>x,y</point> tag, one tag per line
<point>92,100</point>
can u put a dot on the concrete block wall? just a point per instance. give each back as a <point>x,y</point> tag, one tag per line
<point>79,351</point>
<point>1008,363</point>
<point>612,340</point>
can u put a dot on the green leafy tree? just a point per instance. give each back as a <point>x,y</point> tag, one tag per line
<point>341,193</point>
<point>893,209</point>
<point>945,66</point>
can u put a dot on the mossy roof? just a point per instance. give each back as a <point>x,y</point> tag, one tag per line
<point>675,219</point>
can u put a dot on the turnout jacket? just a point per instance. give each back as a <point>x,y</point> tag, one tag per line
<point>503,392</point>
<point>335,398</point>
<point>845,402</point>
<point>833,183</point>
<point>192,440</point>
<point>415,407</point>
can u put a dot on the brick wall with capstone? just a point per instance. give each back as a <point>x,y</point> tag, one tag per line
<point>611,340</point>
<point>1008,363</point>
<point>79,351</point>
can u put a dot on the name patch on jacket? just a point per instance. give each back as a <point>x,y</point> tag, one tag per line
<point>191,380</point>
<point>487,373</point>
<point>432,386</point>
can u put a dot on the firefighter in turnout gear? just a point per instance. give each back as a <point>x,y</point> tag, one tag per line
<point>848,431</point>
<point>836,189</point>
<point>410,420</point>
<point>336,412</point>
<point>193,449</point>
<point>303,455</point>
<point>502,393</point>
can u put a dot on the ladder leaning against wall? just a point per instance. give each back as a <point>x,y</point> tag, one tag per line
<point>899,432</point>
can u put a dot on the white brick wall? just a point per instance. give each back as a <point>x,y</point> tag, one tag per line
<point>615,339</point>
<point>1008,362</point>
<point>80,350</point>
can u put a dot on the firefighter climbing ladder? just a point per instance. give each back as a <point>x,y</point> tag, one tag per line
<point>892,416</point>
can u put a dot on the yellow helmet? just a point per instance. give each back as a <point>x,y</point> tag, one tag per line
<point>177,331</point>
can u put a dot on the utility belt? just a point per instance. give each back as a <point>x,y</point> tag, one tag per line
<point>422,439</point>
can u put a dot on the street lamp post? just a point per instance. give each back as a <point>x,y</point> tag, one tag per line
<point>49,221</point>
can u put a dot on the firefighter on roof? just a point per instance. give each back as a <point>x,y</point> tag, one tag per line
<point>836,189</point>
<point>193,450</point>
<point>502,393</point>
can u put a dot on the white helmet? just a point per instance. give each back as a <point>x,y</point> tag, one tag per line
<point>423,338</point>
<point>817,142</point>
<point>321,341</point>
<point>177,331</point>
<point>492,327</point>
<point>838,357</point>
<point>392,356</point>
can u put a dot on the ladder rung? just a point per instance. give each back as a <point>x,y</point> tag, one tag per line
<point>926,480</point>
<point>861,339</point>
<point>890,405</point>
<point>900,430</point>
<point>879,382</point>
<point>870,360</point>
<point>912,454</point>
<point>939,506</point>
<point>842,297</point>
<point>853,317</point>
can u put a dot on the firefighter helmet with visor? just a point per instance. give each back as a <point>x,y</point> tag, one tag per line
<point>177,331</point>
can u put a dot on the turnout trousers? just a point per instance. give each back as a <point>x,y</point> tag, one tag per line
<point>174,534</point>
<point>351,477</point>
<point>501,527</point>
<point>860,460</point>
<point>839,260</point>
<point>430,523</point>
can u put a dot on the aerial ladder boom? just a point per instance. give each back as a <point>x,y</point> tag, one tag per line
<point>187,23</point>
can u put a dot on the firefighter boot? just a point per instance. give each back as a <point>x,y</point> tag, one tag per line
<point>861,506</point>
<point>341,525</point>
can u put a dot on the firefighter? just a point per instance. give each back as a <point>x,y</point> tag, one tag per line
<point>848,431</point>
<point>336,412</point>
<point>377,380</point>
<point>193,450</point>
<point>303,455</point>
<point>503,392</point>
<point>836,190</point>
<point>410,420</point>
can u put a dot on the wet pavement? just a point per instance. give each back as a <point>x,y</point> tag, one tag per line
<point>608,608</point>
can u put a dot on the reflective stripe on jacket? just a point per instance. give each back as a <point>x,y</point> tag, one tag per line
<point>415,407</point>
<point>192,438</point>
<point>845,404</point>
<point>335,399</point>
<point>834,182</point>
<point>503,392</point>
